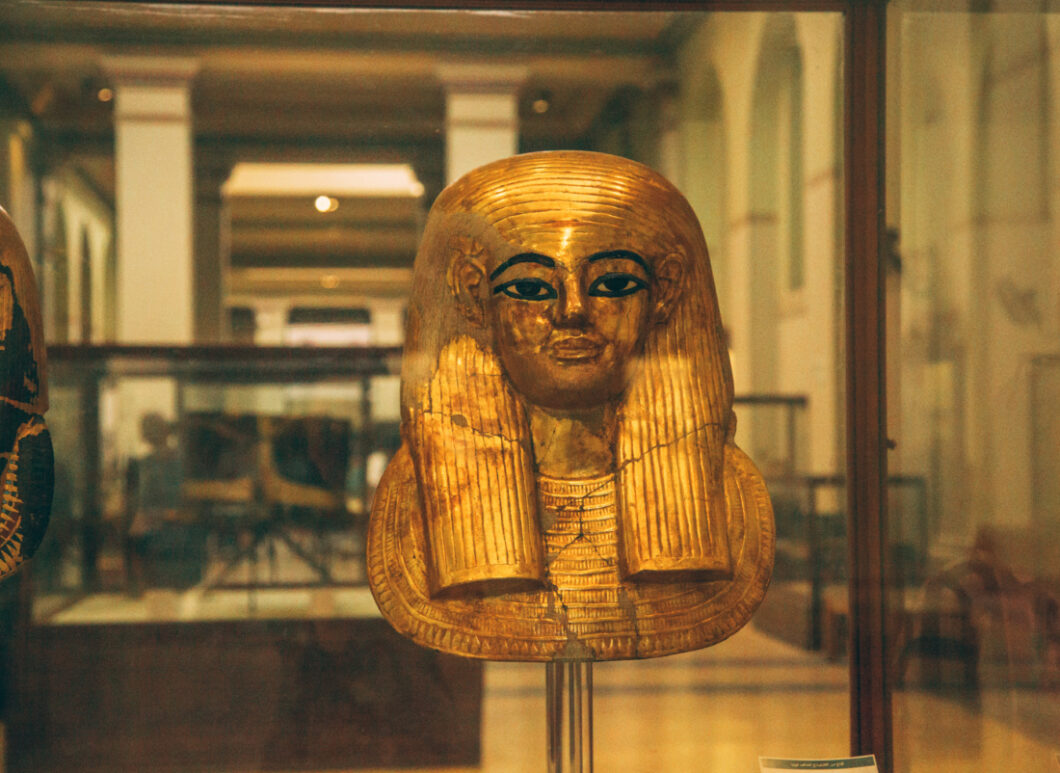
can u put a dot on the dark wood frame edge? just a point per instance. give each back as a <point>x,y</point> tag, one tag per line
<point>864,83</point>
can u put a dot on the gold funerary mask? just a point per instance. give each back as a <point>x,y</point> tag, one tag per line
<point>26,465</point>
<point>568,486</point>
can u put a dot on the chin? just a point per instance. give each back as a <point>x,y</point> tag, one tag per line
<point>571,391</point>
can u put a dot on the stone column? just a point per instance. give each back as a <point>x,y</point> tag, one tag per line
<point>388,329</point>
<point>388,321</point>
<point>670,159</point>
<point>211,250</point>
<point>481,114</point>
<point>155,197</point>
<point>154,225</point>
<point>270,317</point>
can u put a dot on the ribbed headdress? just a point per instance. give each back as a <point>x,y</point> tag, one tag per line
<point>467,428</point>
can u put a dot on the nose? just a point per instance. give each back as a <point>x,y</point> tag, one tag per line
<point>570,309</point>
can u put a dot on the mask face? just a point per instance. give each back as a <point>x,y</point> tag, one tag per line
<point>568,325</point>
<point>569,287</point>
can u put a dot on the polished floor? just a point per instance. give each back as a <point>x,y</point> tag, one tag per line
<point>714,710</point>
<point>722,708</point>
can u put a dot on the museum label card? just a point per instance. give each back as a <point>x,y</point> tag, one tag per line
<point>865,764</point>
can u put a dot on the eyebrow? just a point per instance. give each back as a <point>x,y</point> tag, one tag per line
<point>523,257</point>
<point>622,255</point>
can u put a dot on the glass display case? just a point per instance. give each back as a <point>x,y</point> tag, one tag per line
<point>222,203</point>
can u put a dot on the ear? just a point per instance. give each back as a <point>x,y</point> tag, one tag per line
<point>669,275</point>
<point>466,277</point>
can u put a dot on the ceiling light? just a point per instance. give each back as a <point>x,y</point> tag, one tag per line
<point>104,94</point>
<point>326,203</point>
<point>345,180</point>
<point>542,102</point>
<point>329,281</point>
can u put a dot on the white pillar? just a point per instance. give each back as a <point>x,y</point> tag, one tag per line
<point>388,321</point>
<point>270,321</point>
<point>481,114</point>
<point>155,197</point>
<point>212,222</point>
<point>670,159</point>
<point>388,329</point>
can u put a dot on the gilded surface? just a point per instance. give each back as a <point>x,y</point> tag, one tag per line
<point>568,486</point>
<point>26,463</point>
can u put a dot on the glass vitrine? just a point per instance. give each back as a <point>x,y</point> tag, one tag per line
<point>200,601</point>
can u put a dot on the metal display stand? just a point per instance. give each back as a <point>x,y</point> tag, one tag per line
<point>569,698</point>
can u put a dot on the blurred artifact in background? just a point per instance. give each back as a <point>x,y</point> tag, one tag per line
<point>568,487</point>
<point>27,469</point>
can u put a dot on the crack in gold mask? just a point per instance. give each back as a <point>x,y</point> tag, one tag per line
<point>568,486</point>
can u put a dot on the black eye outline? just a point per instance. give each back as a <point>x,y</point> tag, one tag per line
<point>597,290</point>
<point>509,288</point>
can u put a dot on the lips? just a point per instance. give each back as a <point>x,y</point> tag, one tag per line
<point>576,348</point>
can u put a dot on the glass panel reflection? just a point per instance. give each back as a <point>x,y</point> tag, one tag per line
<point>199,603</point>
<point>972,309</point>
<point>226,543</point>
<point>248,471</point>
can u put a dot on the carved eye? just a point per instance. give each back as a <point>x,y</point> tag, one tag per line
<point>527,289</point>
<point>616,285</point>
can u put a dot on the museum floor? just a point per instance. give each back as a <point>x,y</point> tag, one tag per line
<point>720,709</point>
<point>714,710</point>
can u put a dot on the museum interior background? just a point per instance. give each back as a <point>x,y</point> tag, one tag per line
<point>257,180</point>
